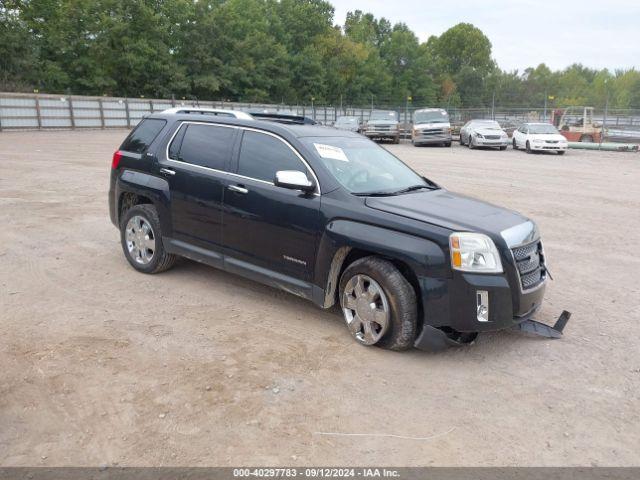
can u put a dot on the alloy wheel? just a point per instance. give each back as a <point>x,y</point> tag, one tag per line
<point>141,241</point>
<point>366,309</point>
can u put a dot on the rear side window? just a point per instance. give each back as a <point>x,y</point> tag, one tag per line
<point>261,156</point>
<point>143,135</point>
<point>207,146</point>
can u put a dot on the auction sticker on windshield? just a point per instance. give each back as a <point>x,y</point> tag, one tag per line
<point>327,151</point>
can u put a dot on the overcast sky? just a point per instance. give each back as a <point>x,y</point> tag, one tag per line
<point>526,33</point>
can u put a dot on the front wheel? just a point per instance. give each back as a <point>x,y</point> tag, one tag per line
<point>503,147</point>
<point>378,304</point>
<point>561,152</point>
<point>471,145</point>
<point>528,147</point>
<point>141,239</point>
<point>447,144</point>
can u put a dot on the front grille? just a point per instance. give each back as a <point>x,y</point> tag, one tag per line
<point>530,264</point>
<point>431,131</point>
<point>492,137</point>
<point>552,141</point>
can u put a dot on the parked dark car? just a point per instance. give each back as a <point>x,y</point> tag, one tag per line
<point>330,216</point>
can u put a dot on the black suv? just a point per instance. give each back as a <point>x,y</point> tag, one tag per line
<point>330,216</point>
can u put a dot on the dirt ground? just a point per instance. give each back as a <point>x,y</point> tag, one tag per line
<point>103,365</point>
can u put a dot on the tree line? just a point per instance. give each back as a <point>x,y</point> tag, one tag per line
<point>274,51</point>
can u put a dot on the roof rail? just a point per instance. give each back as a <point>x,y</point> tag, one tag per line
<point>282,118</point>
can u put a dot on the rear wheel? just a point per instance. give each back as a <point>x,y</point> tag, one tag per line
<point>378,304</point>
<point>396,140</point>
<point>447,144</point>
<point>586,139</point>
<point>503,147</point>
<point>141,239</point>
<point>561,152</point>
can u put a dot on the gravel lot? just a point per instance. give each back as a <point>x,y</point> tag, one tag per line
<point>103,365</point>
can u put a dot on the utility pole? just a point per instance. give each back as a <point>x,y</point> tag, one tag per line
<point>604,119</point>
<point>313,110</point>
<point>493,106</point>
<point>406,111</point>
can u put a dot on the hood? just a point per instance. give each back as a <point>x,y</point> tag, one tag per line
<point>432,125</point>
<point>548,136</point>
<point>386,121</point>
<point>449,210</point>
<point>489,131</point>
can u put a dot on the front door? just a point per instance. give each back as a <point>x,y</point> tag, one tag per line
<point>270,230</point>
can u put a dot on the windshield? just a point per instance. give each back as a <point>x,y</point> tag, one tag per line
<point>362,166</point>
<point>436,116</point>
<point>490,124</point>
<point>347,121</point>
<point>543,128</point>
<point>383,115</point>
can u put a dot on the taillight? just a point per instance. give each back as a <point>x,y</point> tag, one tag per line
<point>116,159</point>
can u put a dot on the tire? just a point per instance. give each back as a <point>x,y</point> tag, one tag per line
<point>561,152</point>
<point>159,260</point>
<point>447,144</point>
<point>515,145</point>
<point>461,142</point>
<point>401,311</point>
<point>470,144</point>
<point>586,139</point>
<point>503,148</point>
<point>396,140</point>
<point>528,147</point>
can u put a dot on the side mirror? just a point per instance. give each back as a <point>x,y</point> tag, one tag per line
<point>294,180</point>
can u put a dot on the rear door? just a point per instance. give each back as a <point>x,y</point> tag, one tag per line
<point>267,229</point>
<point>198,159</point>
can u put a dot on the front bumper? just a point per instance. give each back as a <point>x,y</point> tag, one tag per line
<point>484,142</point>
<point>549,147</point>
<point>428,139</point>
<point>382,133</point>
<point>453,303</point>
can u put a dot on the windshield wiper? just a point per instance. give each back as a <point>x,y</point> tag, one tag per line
<point>413,188</point>
<point>374,194</point>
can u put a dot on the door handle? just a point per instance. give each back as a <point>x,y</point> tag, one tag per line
<point>238,188</point>
<point>167,171</point>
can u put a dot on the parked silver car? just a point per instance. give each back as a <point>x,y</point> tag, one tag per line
<point>483,133</point>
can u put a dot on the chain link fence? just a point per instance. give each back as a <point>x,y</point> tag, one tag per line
<point>46,111</point>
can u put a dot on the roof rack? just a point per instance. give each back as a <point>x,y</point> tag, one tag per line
<point>282,118</point>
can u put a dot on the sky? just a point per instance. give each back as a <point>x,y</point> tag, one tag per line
<point>525,33</point>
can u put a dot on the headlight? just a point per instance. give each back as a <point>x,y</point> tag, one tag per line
<point>474,252</point>
<point>478,135</point>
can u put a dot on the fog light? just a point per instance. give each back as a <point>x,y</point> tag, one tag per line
<point>482,301</point>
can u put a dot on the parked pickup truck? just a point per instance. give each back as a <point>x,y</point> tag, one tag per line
<point>329,216</point>
<point>431,126</point>
<point>383,125</point>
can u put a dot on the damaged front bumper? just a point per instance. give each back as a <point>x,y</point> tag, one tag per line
<point>434,339</point>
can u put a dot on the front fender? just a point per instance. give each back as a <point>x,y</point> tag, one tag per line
<point>424,257</point>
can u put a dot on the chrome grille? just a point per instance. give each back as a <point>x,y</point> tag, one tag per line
<point>492,137</point>
<point>530,264</point>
